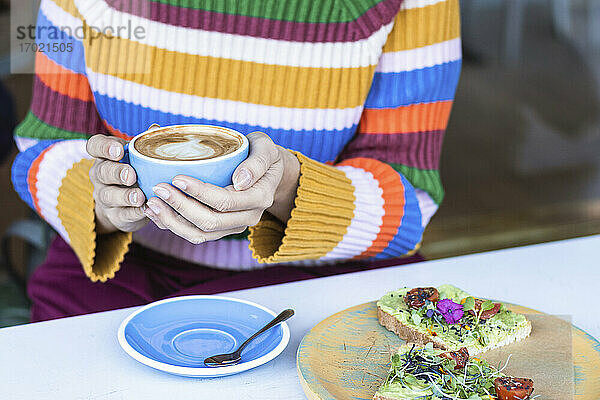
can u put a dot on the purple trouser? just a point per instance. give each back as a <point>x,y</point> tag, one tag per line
<point>59,288</point>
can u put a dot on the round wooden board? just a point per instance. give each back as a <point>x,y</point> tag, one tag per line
<point>346,356</point>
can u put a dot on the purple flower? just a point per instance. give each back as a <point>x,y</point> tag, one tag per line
<point>451,311</point>
<point>430,313</point>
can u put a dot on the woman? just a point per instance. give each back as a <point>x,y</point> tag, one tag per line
<point>350,100</point>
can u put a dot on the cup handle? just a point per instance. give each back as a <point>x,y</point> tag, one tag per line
<point>125,159</point>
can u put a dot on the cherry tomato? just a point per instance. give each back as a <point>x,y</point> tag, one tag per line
<point>486,314</point>
<point>460,357</point>
<point>509,388</point>
<point>416,297</point>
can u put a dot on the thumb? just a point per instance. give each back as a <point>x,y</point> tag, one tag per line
<point>263,153</point>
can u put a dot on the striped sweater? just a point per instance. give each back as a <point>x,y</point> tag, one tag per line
<point>360,90</point>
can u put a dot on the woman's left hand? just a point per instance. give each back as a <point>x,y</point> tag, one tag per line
<point>198,212</point>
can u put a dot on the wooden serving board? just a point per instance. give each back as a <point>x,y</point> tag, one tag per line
<point>346,357</point>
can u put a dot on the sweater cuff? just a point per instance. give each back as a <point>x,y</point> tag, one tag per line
<point>100,255</point>
<point>324,208</point>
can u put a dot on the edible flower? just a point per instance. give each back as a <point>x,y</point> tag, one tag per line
<point>451,311</point>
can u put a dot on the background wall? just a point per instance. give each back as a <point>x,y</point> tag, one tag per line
<point>521,159</point>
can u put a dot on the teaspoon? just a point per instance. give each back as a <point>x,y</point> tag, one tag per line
<point>222,360</point>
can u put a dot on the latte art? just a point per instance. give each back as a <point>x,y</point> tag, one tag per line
<point>192,148</point>
<point>186,146</point>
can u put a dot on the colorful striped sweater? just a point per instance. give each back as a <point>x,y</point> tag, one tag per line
<point>361,90</point>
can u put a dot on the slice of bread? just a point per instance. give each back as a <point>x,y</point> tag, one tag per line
<point>427,369</point>
<point>408,331</point>
<point>411,335</point>
<point>405,332</point>
<point>379,396</point>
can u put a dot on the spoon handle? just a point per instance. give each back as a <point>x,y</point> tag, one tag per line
<point>283,316</point>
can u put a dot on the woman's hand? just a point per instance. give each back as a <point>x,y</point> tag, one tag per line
<point>118,203</point>
<point>266,181</point>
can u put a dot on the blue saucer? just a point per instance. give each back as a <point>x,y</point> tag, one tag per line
<point>176,335</point>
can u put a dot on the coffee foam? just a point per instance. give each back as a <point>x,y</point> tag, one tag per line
<point>187,144</point>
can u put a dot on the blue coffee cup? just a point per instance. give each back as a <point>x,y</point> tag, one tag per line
<point>217,171</point>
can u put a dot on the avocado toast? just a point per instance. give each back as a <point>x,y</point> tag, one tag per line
<point>428,373</point>
<point>450,319</point>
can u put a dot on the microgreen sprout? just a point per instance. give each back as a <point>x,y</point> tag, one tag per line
<point>468,304</point>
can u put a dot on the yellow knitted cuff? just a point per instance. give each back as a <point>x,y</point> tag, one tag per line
<point>323,211</point>
<point>100,255</point>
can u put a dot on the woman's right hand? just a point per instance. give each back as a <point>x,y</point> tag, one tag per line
<point>118,204</point>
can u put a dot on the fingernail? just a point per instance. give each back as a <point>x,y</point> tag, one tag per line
<point>148,213</point>
<point>153,207</point>
<point>242,179</point>
<point>133,197</point>
<point>179,184</point>
<point>124,174</point>
<point>161,192</point>
<point>114,151</point>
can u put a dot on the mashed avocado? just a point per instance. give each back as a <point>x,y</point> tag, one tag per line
<point>471,333</point>
<point>397,391</point>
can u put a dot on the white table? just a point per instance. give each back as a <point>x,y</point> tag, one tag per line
<point>79,357</point>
